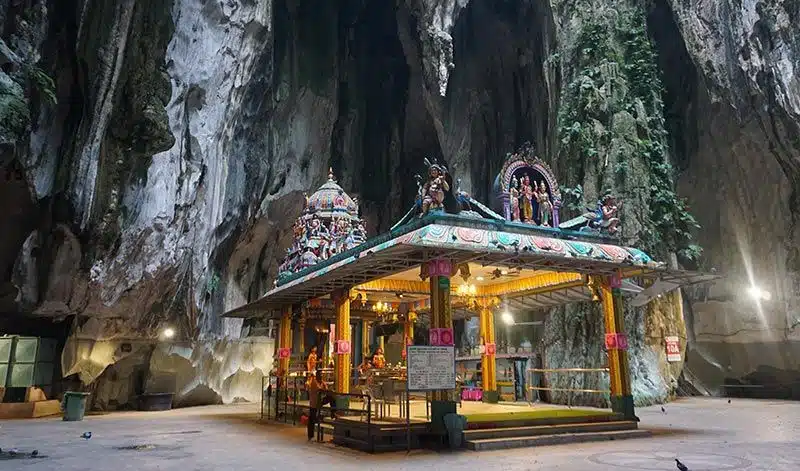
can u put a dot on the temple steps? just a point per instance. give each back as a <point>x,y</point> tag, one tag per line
<point>542,435</point>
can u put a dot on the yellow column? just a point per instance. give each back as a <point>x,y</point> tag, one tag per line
<point>488,358</point>
<point>408,330</point>
<point>616,344</point>
<point>381,344</point>
<point>285,338</point>
<point>364,340</point>
<point>301,330</point>
<point>342,360</point>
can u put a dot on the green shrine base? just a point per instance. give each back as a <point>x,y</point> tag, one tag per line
<point>624,405</point>
<point>439,409</point>
<point>535,414</point>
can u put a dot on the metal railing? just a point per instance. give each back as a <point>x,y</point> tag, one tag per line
<point>573,381</point>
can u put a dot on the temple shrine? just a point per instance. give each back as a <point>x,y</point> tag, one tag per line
<point>450,257</point>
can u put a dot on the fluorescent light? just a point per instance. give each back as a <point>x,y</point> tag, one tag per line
<point>479,278</point>
<point>507,318</point>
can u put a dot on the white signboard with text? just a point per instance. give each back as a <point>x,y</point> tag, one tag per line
<point>431,367</point>
<point>673,349</point>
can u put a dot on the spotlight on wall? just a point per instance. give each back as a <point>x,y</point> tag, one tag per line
<point>507,318</point>
<point>759,294</point>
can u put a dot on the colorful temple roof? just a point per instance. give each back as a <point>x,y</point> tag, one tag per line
<point>329,225</point>
<point>330,201</point>
<point>330,250</point>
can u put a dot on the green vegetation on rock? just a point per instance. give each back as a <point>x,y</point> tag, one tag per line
<point>613,139</point>
<point>611,126</point>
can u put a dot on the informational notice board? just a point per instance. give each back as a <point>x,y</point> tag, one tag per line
<point>431,367</point>
<point>673,349</point>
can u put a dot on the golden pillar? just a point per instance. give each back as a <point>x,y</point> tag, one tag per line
<point>364,340</point>
<point>301,330</point>
<point>343,342</point>
<point>285,340</point>
<point>408,331</point>
<point>617,345</point>
<point>408,328</point>
<point>488,356</point>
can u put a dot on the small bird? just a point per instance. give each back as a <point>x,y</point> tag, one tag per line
<point>680,465</point>
<point>13,452</point>
<point>34,453</point>
<point>86,435</point>
<point>663,410</point>
<point>729,401</point>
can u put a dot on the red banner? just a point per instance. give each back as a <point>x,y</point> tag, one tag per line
<point>284,353</point>
<point>616,342</point>
<point>442,337</point>
<point>439,267</point>
<point>342,347</point>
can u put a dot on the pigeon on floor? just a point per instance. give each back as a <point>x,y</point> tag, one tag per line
<point>34,453</point>
<point>729,401</point>
<point>663,410</point>
<point>681,466</point>
<point>86,435</point>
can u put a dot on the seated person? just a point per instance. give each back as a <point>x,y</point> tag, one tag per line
<point>364,367</point>
<point>378,360</point>
<point>477,377</point>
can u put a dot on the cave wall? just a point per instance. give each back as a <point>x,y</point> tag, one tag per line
<point>735,119</point>
<point>158,171</point>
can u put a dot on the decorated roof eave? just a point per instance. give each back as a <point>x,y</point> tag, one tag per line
<point>409,246</point>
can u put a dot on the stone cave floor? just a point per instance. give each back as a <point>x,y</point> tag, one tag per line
<point>706,434</point>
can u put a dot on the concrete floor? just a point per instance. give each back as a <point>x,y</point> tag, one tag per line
<point>706,434</point>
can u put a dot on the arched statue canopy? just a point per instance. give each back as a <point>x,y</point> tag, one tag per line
<point>527,205</point>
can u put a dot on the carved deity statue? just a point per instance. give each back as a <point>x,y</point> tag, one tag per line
<point>316,228</point>
<point>514,192</point>
<point>434,188</point>
<point>609,209</point>
<point>526,199</point>
<point>308,258</point>
<point>545,205</point>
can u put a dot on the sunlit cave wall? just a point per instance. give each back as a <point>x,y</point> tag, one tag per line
<point>734,116</point>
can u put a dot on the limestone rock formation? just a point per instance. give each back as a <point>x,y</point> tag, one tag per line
<point>155,153</point>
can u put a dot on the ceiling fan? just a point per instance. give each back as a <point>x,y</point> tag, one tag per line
<point>499,273</point>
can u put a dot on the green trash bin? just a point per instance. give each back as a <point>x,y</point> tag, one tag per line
<point>74,405</point>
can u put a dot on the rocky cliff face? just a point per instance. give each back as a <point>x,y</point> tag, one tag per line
<point>153,177</point>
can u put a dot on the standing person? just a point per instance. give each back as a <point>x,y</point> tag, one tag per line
<point>311,361</point>
<point>317,397</point>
